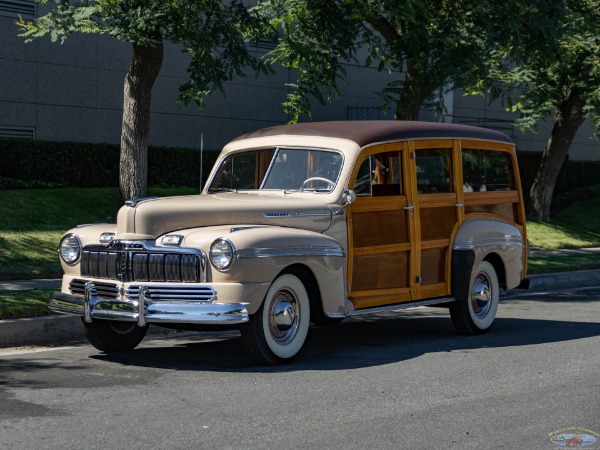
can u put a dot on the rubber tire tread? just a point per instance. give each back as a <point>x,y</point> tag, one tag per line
<point>102,336</point>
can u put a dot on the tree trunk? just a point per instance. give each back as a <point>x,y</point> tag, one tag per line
<point>411,97</point>
<point>133,171</point>
<point>568,117</point>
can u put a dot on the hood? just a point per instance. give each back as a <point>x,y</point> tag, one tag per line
<point>151,218</point>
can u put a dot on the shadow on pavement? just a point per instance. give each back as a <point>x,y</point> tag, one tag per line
<point>355,344</point>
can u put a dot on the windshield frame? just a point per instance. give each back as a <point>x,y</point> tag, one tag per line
<point>210,188</point>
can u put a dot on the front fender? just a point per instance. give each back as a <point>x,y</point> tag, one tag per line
<point>263,252</point>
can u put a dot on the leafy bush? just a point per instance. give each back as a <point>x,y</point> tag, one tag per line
<point>34,164</point>
<point>42,164</point>
<point>575,177</point>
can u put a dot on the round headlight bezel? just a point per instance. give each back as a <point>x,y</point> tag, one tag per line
<point>72,260</point>
<point>218,252</point>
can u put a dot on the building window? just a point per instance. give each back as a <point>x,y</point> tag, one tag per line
<point>27,9</point>
<point>17,133</point>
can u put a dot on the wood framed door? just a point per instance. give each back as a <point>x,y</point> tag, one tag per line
<point>409,205</point>
<point>438,211</point>
<point>381,229</point>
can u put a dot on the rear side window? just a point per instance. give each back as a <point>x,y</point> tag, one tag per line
<point>434,170</point>
<point>486,170</point>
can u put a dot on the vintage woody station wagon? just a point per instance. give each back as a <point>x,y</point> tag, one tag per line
<point>304,223</point>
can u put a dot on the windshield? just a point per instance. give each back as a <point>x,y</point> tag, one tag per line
<point>279,169</point>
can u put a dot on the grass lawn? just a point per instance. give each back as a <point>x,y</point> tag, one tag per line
<point>32,222</point>
<point>30,303</point>
<point>575,227</point>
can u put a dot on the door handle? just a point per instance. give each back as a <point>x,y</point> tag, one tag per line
<point>409,207</point>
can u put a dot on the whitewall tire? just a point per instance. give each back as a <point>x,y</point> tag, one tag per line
<point>276,333</point>
<point>475,314</point>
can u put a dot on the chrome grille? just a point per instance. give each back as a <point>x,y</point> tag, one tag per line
<point>103,290</point>
<point>141,264</point>
<point>172,293</point>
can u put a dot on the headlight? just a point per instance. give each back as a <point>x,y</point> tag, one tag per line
<point>222,253</point>
<point>70,249</point>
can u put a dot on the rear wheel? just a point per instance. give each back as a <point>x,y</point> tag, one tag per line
<point>475,314</point>
<point>112,336</point>
<point>276,333</point>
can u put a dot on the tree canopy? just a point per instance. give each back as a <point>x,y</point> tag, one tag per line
<point>427,46</point>
<point>209,31</point>
<point>558,77</point>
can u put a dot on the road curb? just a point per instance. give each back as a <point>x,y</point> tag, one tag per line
<point>40,331</point>
<point>564,280</point>
<point>59,329</point>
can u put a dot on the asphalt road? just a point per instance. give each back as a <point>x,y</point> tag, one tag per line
<point>403,381</point>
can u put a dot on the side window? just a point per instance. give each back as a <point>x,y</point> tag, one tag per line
<point>434,170</point>
<point>486,170</point>
<point>379,175</point>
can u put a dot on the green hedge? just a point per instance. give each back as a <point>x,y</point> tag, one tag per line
<point>577,179</point>
<point>76,164</point>
<point>34,164</point>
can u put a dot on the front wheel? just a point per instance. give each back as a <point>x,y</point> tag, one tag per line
<point>111,336</point>
<point>476,313</point>
<point>276,333</point>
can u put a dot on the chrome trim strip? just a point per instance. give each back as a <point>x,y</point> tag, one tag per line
<point>249,227</point>
<point>269,252</point>
<point>277,214</point>
<point>159,312</point>
<point>312,213</point>
<point>394,307</point>
<point>467,245</point>
<point>136,201</point>
<point>141,300</point>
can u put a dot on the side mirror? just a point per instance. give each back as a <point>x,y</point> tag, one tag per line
<point>348,197</point>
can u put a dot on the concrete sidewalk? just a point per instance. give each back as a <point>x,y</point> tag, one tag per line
<point>51,330</point>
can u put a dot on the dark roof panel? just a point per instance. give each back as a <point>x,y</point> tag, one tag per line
<point>365,132</point>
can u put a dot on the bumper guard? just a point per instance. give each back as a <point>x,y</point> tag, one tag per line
<point>144,310</point>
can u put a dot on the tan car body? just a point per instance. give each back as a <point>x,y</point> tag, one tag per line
<point>354,271</point>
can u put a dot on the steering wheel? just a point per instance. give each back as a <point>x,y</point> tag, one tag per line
<point>330,184</point>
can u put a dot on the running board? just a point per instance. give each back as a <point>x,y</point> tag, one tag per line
<point>397,306</point>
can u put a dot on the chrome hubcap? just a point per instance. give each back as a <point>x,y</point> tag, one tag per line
<point>283,317</point>
<point>481,296</point>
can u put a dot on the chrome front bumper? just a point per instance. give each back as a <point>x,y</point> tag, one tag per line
<point>144,310</point>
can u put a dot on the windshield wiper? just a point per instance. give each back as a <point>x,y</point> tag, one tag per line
<point>212,190</point>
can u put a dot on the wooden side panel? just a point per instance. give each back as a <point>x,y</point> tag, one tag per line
<point>506,210</point>
<point>438,223</point>
<point>379,228</point>
<point>433,265</point>
<point>381,271</point>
